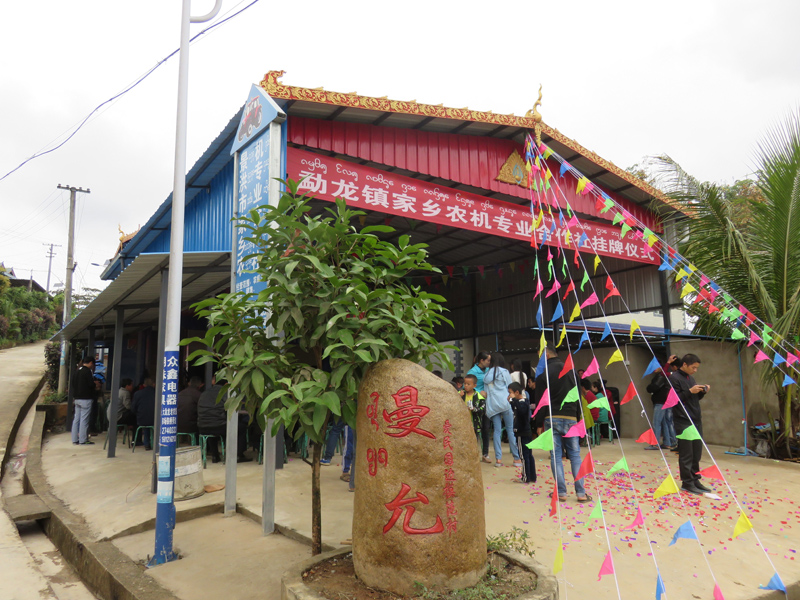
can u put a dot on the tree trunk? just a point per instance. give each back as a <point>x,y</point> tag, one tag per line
<point>316,500</point>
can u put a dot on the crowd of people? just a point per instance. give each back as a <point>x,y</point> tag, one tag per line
<point>505,401</point>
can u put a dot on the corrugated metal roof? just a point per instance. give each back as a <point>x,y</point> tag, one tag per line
<point>138,290</point>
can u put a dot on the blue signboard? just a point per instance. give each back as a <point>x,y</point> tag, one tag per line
<point>253,192</point>
<point>259,111</point>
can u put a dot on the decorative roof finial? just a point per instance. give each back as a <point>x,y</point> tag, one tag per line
<point>537,118</point>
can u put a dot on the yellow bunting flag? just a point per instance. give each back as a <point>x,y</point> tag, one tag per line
<point>581,185</point>
<point>542,344</point>
<point>742,524</point>
<point>668,486</point>
<point>539,219</point>
<point>566,238</point>
<point>687,289</point>
<point>563,335</point>
<point>681,274</point>
<point>575,313</point>
<point>558,563</point>
<point>634,327</point>
<point>651,240</point>
<point>616,357</point>
<point>596,263</point>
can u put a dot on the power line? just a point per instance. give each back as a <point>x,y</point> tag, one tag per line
<point>123,92</point>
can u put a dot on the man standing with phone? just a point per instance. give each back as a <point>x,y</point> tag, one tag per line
<point>686,413</point>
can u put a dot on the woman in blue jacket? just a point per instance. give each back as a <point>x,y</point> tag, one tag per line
<point>498,407</point>
<point>479,368</point>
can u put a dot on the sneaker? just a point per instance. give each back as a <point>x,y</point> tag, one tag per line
<point>517,463</point>
<point>499,463</point>
<point>486,459</point>
<point>701,487</point>
<point>325,462</point>
<point>345,477</point>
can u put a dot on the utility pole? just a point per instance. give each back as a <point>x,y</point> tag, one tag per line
<point>50,255</point>
<point>62,372</point>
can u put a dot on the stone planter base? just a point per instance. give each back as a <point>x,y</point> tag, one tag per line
<point>294,588</point>
<point>55,414</point>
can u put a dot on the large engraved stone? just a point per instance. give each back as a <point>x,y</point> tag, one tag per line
<point>419,512</point>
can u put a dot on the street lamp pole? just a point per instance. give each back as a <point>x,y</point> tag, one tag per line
<point>167,433</point>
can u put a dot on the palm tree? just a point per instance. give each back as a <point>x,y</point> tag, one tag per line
<point>750,246</point>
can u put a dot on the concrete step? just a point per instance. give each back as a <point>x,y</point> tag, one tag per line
<point>27,507</point>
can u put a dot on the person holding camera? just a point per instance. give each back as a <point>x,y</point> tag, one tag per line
<point>686,413</point>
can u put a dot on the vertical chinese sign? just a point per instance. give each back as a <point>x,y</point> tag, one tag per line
<point>419,494</point>
<point>258,154</point>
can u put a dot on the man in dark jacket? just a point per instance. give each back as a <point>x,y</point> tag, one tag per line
<point>522,430</point>
<point>688,413</point>
<point>84,392</point>
<point>658,388</point>
<point>144,407</point>
<point>187,406</point>
<point>212,419</point>
<point>560,419</point>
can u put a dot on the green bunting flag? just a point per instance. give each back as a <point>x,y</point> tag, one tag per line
<point>737,335</point>
<point>564,267</point>
<point>625,229</point>
<point>601,402</point>
<point>597,512</point>
<point>550,270</point>
<point>622,463</point>
<point>607,207</point>
<point>585,279</point>
<point>543,442</point>
<point>572,396</point>
<point>690,433</point>
<point>617,218</point>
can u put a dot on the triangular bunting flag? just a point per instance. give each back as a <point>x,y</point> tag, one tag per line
<point>554,289</point>
<point>584,338</point>
<point>760,356</point>
<point>601,402</point>
<point>539,288</point>
<point>718,592</point>
<point>558,563</point>
<point>775,583</point>
<point>606,331</point>
<point>652,367</point>
<point>743,524</point>
<point>561,336</point>
<point>585,279</point>
<point>543,442</point>
<point>597,512</point>
<point>788,380</point>
<point>568,366</point>
<point>753,339</point>
<point>554,500</point>
<point>687,289</point>
<point>587,466</point>
<point>596,263</point>
<point>577,430</point>
<point>616,357</point>
<point>648,437</point>
<point>559,312</point>
<point>629,395</point>
<point>711,472</point>
<point>592,368</point>
<point>592,299</point>
<point>737,335</point>
<point>672,400</point>
<point>607,567</point>
<point>575,312</point>
<point>542,344</point>
<point>639,520</point>
<point>613,292</point>
<point>668,486</point>
<point>685,531</point>
<point>622,463</point>
<point>572,396</point>
<point>690,433</point>
<point>544,401</point>
<point>660,589</point>
<point>634,327</point>
<point>778,360</point>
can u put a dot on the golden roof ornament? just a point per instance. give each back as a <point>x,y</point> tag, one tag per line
<point>537,118</point>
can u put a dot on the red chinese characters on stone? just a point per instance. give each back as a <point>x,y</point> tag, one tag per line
<point>372,409</point>
<point>375,458</point>
<point>396,506</point>
<point>449,491</point>
<point>408,414</point>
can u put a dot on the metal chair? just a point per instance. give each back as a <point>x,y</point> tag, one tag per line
<point>136,435</point>
<point>204,443</point>
<point>125,430</point>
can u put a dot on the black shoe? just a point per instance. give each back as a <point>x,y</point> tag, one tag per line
<point>215,459</point>
<point>701,487</point>
<point>147,448</point>
<point>87,443</point>
<point>243,458</point>
<point>692,489</point>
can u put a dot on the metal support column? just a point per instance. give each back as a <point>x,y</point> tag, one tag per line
<point>162,332</point>
<point>268,493</point>
<point>116,366</point>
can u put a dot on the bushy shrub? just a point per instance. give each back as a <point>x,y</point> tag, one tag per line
<point>52,360</point>
<point>4,327</point>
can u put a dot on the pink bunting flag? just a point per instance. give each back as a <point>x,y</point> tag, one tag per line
<point>753,339</point>
<point>791,359</point>
<point>672,400</point>
<point>572,223</point>
<point>589,301</point>
<point>760,356</point>
<point>539,288</point>
<point>589,187</point>
<point>545,401</point>
<point>639,520</point>
<point>607,568</point>
<point>592,368</point>
<point>718,592</point>
<point>577,430</point>
<point>554,289</point>
<point>703,280</point>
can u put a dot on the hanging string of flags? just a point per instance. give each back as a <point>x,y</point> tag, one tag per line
<point>540,180</point>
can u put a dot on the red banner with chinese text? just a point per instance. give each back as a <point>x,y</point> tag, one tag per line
<point>368,188</point>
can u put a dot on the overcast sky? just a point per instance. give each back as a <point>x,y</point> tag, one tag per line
<point>698,80</point>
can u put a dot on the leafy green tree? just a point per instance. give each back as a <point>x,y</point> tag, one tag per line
<point>746,238</point>
<point>336,301</point>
